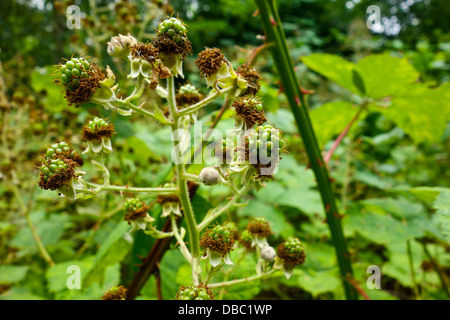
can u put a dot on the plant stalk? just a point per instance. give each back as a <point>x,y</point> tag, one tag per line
<point>275,34</point>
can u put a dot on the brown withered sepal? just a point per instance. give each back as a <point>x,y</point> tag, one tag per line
<point>290,260</point>
<point>162,199</point>
<point>188,99</point>
<point>259,228</point>
<point>119,293</point>
<point>209,61</point>
<point>58,180</point>
<point>252,78</point>
<point>144,51</point>
<point>246,111</point>
<point>218,245</point>
<point>136,214</point>
<point>169,47</point>
<point>86,88</point>
<point>104,131</point>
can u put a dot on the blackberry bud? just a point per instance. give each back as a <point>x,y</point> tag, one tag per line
<point>218,242</point>
<point>268,253</point>
<point>116,293</point>
<point>291,254</point>
<point>97,133</point>
<point>209,176</point>
<point>250,110</point>
<point>200,292</point>
<point>119,46</point>
<point>136,213</point>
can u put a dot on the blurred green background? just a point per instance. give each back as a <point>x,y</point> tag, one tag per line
<point>390,173</point>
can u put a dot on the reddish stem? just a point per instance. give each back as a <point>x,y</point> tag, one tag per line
<point>330,152</point>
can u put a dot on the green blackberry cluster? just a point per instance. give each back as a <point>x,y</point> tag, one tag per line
<point>253,103</point>
<point>54,166</point>
<point>194,293</point>
<point>72,70</point>
<point>173,28</point>
<point>245,239</point>
<point>291,252</point>
<point>223,232</point>
<point>293,245</point>
<point>219,239</point>
<point>259,227</point>
<point>57,148</point>
<point>188,89</point>
<point>97,123</point>
<point>266,137</point>
<point>132,205</point>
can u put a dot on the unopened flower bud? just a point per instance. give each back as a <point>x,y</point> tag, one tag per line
<point>268,253</point>
<point>209,176</point>
<point>119,46</point>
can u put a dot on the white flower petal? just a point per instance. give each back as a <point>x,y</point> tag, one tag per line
<point>215,258</point>
<point>288,273</point>
<point>227,259</point>
<point>166,209</point>
<point>107,146</point>
<point>261,241</point>
<point>96,145</point>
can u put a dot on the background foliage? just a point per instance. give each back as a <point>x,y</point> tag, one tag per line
<point>390,172</point>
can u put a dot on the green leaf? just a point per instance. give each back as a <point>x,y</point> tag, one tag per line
<point>427,194</point>
<point>383,74</point>
<point>57,274</point>
<point>112,250</point>
<point>420,111</point>
<point>318,282</point>
<point>330,119</point>
<point>334,68</point>
<point>171,262</point>
<point>442,205</point>
<point>42,81</point>
<point>359,82</point>
<point>12,274</point>
<point>376,227</point>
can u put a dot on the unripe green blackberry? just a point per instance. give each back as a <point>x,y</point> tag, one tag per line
<point>200,292</point>
<point>253,103</point>
<point>291,252</point>
<point>57,148</point>
<point>132,205</point>
<point>246,239</point>
<point>97,123</point>
<point>116,293</point>
<point>73,70</point>
<point>249,110</point>
<point>188,89</point>
<point>55,166</point>
<point>172,28</point>
<point>188,95</point>
<point>259,228</point>
<point>218,242</point>
<point>264,141</point>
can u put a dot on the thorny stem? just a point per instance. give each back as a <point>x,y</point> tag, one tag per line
<point>98,187</point>
<point>184,250</point>
<point>212,96</point>
<point>194,236</point>
<point>330,152</point>
<point>283,62</point>
<point>237,281</point>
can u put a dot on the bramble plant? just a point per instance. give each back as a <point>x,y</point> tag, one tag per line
<point>244,159</point>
